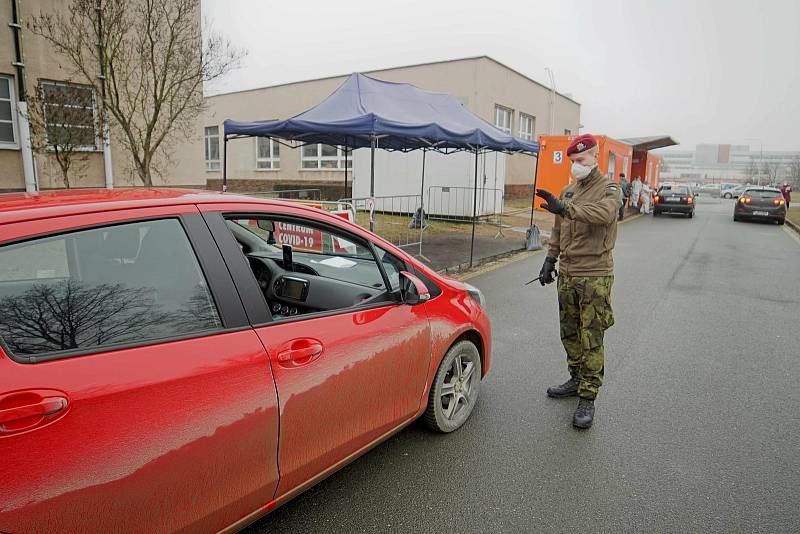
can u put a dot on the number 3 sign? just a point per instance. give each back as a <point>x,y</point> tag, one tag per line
<point>558,157</point>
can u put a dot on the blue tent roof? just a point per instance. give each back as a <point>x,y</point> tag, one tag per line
<point>400,115</point>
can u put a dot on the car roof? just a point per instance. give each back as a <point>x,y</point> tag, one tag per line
<point>763,188</point>
<point>16,207</point>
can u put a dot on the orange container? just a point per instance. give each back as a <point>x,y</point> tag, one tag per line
<point>647,166</point>
<point>553,172</point>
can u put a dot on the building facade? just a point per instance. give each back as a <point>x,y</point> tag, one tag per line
<point>504,97</point>
<point>727,163</point>
<point>29,65</point>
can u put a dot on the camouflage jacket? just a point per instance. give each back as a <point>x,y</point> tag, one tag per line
<point>583,239</point>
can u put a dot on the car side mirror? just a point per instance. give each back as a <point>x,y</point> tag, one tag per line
<point>266,225</point>
<point>414,290</point>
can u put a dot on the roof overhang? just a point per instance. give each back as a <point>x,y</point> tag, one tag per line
<point>650,143</point>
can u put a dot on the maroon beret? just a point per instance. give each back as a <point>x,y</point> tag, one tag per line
<point>581,143</point>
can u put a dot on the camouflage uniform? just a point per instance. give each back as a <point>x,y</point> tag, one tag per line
<point>583,240</point>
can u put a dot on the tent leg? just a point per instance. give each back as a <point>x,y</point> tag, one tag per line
<point>372,180</point>
<point>345,173</point>
<point>474,212</point>
<point>225,165</point>
<point>533,195</point>
<point>422,207</point>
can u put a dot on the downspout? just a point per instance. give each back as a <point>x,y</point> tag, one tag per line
<point>23,122</point>
<point>107,165</point>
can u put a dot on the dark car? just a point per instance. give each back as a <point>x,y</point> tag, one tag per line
<point>761,203</point>
<point>674,199</point>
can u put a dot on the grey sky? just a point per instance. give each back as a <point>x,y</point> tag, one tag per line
<point>704,71</point>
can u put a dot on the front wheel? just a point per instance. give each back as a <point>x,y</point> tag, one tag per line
<point>728,195</point>
<point>455,388</point>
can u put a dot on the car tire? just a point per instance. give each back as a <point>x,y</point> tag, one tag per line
<point>656,213</point>
<point>450,385</point>
<point>690,214</point>
<point>781,221</point>
<point>727,195</point>
<point>736,218</point>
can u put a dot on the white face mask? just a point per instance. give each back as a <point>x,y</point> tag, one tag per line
<point>581,171</point>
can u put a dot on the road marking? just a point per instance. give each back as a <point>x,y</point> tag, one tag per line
<point>792,234</point>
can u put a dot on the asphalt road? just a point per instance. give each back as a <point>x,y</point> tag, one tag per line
<point>697,427</point>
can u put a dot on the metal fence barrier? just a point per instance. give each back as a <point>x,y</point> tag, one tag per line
<point>394,218</point>
<point>457,203</point>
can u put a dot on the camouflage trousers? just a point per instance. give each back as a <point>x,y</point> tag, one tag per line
<point>584,306</point>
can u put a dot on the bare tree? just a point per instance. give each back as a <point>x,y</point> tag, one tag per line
<point>152,57</point>
<point>63,125</point>
<point>793,174</point>
<point>770,169</point>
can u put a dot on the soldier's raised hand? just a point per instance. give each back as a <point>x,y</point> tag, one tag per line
<point>552,203</point>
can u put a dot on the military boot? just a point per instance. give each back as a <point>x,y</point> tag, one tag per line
<point>567,389</point>
<point>584,414</point>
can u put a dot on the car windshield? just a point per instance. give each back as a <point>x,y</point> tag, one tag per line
<point>674,190</point>
<point>763,193</point>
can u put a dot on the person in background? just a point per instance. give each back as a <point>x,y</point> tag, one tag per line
<point>645,200</point>
<point>625,186</point>
<point>636,191</point>
<point>786,191</point>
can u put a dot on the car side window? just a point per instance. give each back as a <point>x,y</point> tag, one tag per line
<point>94,288</point>
<point>393,266</point>
<point>303,268</point>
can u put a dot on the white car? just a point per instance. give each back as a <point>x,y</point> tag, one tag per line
<point>732,192</point>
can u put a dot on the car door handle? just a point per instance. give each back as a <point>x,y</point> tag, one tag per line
<point>296,357</point>
<point>42,408</point>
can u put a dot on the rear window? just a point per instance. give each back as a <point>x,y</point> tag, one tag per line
<point>117,284</point>
<point>760,193</point>
<point>674,190</point>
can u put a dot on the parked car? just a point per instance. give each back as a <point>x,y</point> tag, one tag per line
<point>674,199</point>
<point>761,203</point>
<point>732,192</point>
<point>188,361</point>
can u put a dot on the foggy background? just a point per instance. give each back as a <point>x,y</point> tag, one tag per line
<point>707,71</point>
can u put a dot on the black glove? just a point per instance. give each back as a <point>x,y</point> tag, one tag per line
<point>548,269</point>
<point>552,203</point>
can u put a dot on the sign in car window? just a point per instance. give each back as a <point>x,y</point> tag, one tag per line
<point>298,236</point>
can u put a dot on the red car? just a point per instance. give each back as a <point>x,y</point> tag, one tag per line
<point>189,361</point>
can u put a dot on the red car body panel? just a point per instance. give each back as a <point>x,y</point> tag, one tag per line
<point>210,433</point>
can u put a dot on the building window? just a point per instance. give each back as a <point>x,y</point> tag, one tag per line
<point>527,126</point>
<point>567,131</point>
<point>212,148</point>
<point>268,155</point>
<point>69,115</point>
<point>503,118</point>
<point>8,130</point>
<point>321,156</point>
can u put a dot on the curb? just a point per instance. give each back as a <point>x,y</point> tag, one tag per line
<point>794,226</point>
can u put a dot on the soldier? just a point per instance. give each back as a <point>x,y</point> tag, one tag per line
<point>583,238</point>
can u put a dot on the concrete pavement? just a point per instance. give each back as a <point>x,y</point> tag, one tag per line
<point>697,426</point>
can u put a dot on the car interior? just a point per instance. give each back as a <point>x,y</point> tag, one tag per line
<point>322,272</point>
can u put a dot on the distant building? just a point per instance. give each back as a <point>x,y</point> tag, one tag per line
<point>501,95</point>
<point>719,163</point>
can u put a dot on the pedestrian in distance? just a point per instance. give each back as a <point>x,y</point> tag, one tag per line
<point>625,187</point>
<point>786,191</point>
<point>645,200</point>
<point>582,240</point>
<point>636,192</point>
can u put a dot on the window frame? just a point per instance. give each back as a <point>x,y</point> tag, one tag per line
<point>12,101</point>
<point>212,266</point>
<point>212,165</point>
<point>524,117</point>
<point>319,158</point>
<point>497,109</point>
<point>274,162</point>
<point>244,278</point>
<point>97,146</point>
